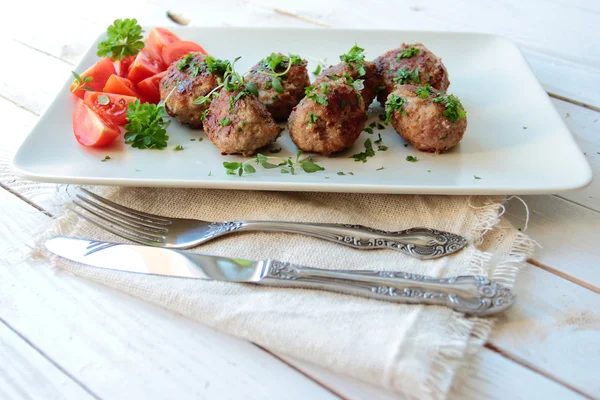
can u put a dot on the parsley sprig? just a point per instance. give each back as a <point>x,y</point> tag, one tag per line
<point>146,127</point>
<point>404,76</point>
<point>356,55</point>
<point>407,53</point>
<point>231,82</point>
<point>275,61</point>
<point>423,92</point>
<point>369,152</point>
<point>394,103</point>
<point>124,40</point>
<point>81,82</point>
<point>454,109</point>
<point>286,166</point>
<point>311,93</point>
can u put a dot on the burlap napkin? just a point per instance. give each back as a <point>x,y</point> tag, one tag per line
<point>413,350</point>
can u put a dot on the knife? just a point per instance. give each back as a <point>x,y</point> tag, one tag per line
<point>471,294</point>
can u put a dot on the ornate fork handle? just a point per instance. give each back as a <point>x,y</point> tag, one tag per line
<point>423,243</point>
<point>472,294</point>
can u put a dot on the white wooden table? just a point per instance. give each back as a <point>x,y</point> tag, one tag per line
<point>64,337</point>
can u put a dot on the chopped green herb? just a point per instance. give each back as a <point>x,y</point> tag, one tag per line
<point>380,126</point>
<point>423,92</point>
<point>184,62</point>
<point>352,173</point>
<point>209,173</point>
<point>214,65</point>
<point>124,39</point>
<point>296,59</point>
<point>106,158</point>
<point>225,121</point>
<point>405,144</point>
<point>312,118</point>
<point>428,170</point>
<point>524,127</point>
<point>146,127</point>
<point>312,94</point>
<point>382,148</point>
<point>369,152</point>
<point>341,173</point>
<point>404,76</point>
<point>356,55</point>
<point>192,140</point>
<point>274,97</point>
<point>476,177</point>
<point>333,77</point>
<point>178,147</point>
<point>379,169</point>
<point>454,109</point>
<point>379,140</point>
<point>289,165</point>
<point>204,115</point>
<point>317,70</point>
<point>373,124</point>
<point>411,159</point>
<point>277,86</point>
<point>407,53</point>
<point>369,130</point>
<point>275,151</point>
<point>81,81</point>
<point>394,103</point>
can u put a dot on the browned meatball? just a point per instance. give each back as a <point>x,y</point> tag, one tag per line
<point>238,123</point>
<point>431,121</point>
<point>329,119</point>
<point>280,99</point>
<point>410,64</point>
<point>344,69</point>
<point>191,77</point>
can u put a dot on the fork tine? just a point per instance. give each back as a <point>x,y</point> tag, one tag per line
<point>125,226</point>
<point>153,218</point>
<point>117,232</point>
<point>122,217</point>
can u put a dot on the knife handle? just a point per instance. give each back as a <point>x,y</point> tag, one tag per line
<point>423,243</point>
<point>471,294</point>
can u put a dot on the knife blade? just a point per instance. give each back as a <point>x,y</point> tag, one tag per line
<point>471,294</point>
<point>154,260</point>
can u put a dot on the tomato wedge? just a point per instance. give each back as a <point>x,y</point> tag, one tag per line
<point>91,129</point>
<point>97,75</point>
<point>149,88</point>
<point>122,66</point>
<point>174,51</point>
<point>118,85</point>
<point>158,38</point>
<point>147,63</point>
<point>112,107</point>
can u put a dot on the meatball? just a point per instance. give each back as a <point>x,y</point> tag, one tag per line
<point>191,77</point>
<point>429,120</point>
<point>344,69</point>
<point>410,64</point>
<point>238,123</point>
<point>280,99</point>
<point>329,119</point>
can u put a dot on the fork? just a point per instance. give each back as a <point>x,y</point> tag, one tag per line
<point>179,233</point>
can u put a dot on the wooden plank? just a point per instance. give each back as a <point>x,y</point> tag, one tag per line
<point>487,377</point>
<point>569,234</point>
<point>27,374</point>
<point>100,335</point>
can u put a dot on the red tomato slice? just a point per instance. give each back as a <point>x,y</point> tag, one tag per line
<point>99,74</point>
<point>116,108</point>
<point>118,85</point>
<point>174,51</point>
<point>147,63</point>
<point>158,38</point>
<point>149,88</point>
<point>91,129</point>
<point>122,66</point>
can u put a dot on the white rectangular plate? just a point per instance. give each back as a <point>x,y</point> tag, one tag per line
<point>515,142</point>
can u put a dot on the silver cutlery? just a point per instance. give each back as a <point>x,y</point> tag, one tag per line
<point>179,233</point>
<point>473,295</point>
